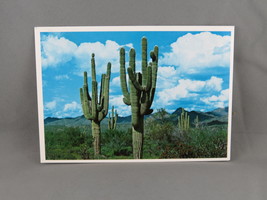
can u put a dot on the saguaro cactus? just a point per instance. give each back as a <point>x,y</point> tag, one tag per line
<point>141,91</point>
<point>95,109</point>
<point>112,120</point>
<point>196,122</point>
<point>183,121</point>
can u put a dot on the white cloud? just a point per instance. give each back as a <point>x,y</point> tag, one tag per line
<point>50,105</point>
<point>104,53</point>
<point>117,102</point>
<point>219,101</point>
<point>59,50</point>
<point>115,82</point>
<point>56,51</point>
<point>188,88</point>
<point>62,77</point>
<point>167,77</point>
<point>214,83</point>
<point>198,51</point>
<point>167,71</point>
<point>72,106</point>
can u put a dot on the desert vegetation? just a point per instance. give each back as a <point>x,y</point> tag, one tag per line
<point>162,139</point>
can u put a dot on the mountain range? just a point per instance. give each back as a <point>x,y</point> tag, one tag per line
<point>215,117</point>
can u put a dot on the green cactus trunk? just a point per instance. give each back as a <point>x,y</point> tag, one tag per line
<point>112,120</point>
<point>183,121</point>
<point>95,109</point>
<point>96,132</point>
<point>140,95</point>
<point>138,138</point>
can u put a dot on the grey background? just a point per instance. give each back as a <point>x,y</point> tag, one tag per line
<point>21,175</point>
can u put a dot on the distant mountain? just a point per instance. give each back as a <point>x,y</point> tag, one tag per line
<point>202,116</point>
<point>77,121</point>
<point>126,119</point>
<point>220,111</point>
<point>50,120</point>
<point>217,116</point>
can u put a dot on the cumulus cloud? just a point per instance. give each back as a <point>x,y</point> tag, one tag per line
<point>50,105</point>
<point>219,101</point>
<point>167,77</point>
<point>115,82</point>
<point>188,88</point>
<point>192,52</point>
<point>59,50</point>
<point>117,102</point>
<point>104,53</point>
<point>56,51</point>
<point>72,106</point>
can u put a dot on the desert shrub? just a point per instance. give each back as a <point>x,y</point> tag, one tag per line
<point>207,142</point>
<point>159,133</point>
<point>116,143</point>
<point>67,143</point>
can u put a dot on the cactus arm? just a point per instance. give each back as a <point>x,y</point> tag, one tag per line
<point>134,93</point>
<point>101,88</point>
<point>135,105</point>
<point>85,85</point>
<point>104,110</point>
<point>126,94</point>
<point>136,84</point>
<point>115,119</point>
<point>149,111</point>
<point>101,96</point>
<point>132,77</point>
<point>85,105</point>
<point>154,56</point>
<point>100,106</point>
<point>93,67</point>
<point>109,122</point>
<point>85,98</point>
<point>132,59</point>
<point>94,89</point>
<point>82,102</point>
<point>106,88</point>
<point>156,52</point>
<point>94,100</point>
<point>144,103</point>
<point>144,60</point>
<point>149,78</point>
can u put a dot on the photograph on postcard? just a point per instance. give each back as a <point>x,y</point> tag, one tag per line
<point>137,93</point>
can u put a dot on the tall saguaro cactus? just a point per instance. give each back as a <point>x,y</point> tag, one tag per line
<point>141,91</point>
<point>94,108</point>
<point>112,120</point>
<point>183,121</point>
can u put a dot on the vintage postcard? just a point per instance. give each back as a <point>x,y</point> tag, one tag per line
<point>134,93</point>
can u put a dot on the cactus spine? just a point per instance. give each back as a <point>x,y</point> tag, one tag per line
<point>95,109</point>
<point>183,121</point>
<point>141,91</point>
<point>112,120</point>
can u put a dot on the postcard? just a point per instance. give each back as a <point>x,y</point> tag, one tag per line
<point>134,93</point>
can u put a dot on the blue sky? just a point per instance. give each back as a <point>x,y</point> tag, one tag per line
<point>193,68</point>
